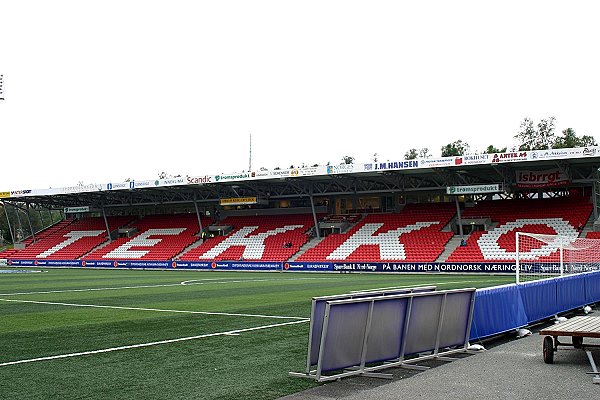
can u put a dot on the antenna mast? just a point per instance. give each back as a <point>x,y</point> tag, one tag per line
<point>250,159</point>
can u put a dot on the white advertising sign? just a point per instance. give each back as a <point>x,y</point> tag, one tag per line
<point>473,189</point>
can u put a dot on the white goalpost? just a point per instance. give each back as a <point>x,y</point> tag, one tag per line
<point>540,256</point>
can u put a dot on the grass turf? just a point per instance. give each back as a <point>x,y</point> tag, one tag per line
<point>252,365</point>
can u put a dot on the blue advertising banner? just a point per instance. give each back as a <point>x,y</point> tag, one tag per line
<point>45,263</point>
<point>307,266</point>
<point>126,264</point>
<point>231,265</point>
<point>493,268</point>
<point>507,268</point>
<point>192,264</point>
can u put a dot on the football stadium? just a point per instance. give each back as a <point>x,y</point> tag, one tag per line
<point>263,284</point>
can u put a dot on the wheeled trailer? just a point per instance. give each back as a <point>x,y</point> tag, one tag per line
<point>578,328</point>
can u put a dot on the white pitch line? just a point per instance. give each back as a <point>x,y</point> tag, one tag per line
<point>158,285</point>
<point>151,309</point>
<point>385,288</point>
<point>136,346</point>
<point>420,284</point>
<point>452,283</point>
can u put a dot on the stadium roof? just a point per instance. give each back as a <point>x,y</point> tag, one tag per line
<point>576,167</point>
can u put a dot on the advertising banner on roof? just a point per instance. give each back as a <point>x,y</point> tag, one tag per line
<point>394,165</point>
<point>538,179</point>
<point>199,180</point>
<point>140,184</point>
<point>313,171</point>
<point>280,173</point>
<point>262,174</point>
<point>342,169</point>
<point>232,177</point>
<point>472,159</point>
<point>92,187</point>
<point>436,162</point>
<point>389,166</point>
<point>118,186</point>
<point>170,182</point>
<point>548,154</point>
<point>422,163</point>
<point>509,157</point>
<point>592,151</point>
<point>20,193</point>
<point>287,173</point>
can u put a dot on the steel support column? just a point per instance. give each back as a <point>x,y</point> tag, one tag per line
<point>12,236</point>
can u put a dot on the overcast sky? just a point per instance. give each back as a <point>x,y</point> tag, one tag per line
<point>101,91</point>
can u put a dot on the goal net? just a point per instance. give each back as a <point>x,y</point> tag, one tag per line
<point>540,256</point>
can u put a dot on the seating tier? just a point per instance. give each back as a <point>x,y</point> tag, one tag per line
<point>73,240</point>
<point>256,238</point>
<point>158,237</point>
<point>564,216</point>
<point>412,235</point>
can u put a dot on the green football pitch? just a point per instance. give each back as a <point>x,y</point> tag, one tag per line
<point>122,334</point>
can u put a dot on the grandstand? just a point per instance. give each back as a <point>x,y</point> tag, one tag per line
<point>419,233</point>
<point>376,214</point>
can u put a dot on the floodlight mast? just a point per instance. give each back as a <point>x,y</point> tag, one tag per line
<point>250,158</point>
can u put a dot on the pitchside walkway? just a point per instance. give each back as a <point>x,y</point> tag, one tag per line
<point>512,369</point>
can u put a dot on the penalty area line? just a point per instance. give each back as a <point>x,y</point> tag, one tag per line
<point>216,281</point>
<point>423,284</point>
<point>151,309</point>
<point>141,345</point>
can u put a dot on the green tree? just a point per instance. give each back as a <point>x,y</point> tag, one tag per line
<point>457,148</point>
<point>570,139</point>
<point>539,137</point>
<point>491,149</point>
<point>424,153</point>
<point>347,160</point>
<point>414,153</point>
<point>411,154</point>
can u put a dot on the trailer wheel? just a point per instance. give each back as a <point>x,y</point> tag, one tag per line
<point>548,350</point>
